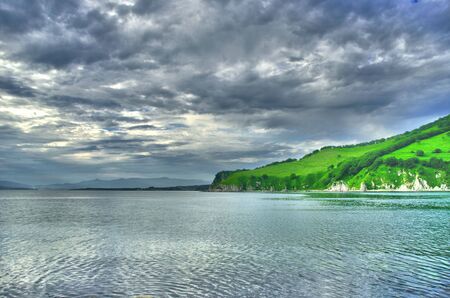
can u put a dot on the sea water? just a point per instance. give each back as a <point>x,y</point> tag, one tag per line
<point>164,244</point>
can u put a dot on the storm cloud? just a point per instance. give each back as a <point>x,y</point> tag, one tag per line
<point>109,89</point>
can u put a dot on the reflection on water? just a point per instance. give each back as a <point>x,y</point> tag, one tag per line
<point>113,243</point>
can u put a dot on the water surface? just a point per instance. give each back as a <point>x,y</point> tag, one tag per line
<point>118,243</point>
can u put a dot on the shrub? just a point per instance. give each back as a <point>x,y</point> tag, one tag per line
<point>410,163</point>
<point>436,163</point>
<point>391,161</point>
<point>437,150</point>
<point>420,153</point>
<point>376,164</point>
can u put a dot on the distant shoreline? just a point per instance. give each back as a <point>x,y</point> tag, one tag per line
<point>205,188</point>
<point>171,188</point>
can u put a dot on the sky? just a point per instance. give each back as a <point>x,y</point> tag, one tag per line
<point>150,88</point>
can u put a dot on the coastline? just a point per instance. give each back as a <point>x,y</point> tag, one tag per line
<point>331,191</point>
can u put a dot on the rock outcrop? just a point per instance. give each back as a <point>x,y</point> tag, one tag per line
<point>420,184</point>
<point>340,186</point>
<point>363,187</point>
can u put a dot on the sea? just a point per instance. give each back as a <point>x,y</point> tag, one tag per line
<point>80,243</point>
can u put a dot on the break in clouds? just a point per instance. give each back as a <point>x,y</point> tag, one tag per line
<point>108,89</point>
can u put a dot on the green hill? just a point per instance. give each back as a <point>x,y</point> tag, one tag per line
<point>415,160</point>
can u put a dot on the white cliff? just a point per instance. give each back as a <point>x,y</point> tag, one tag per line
<point>340,186</point>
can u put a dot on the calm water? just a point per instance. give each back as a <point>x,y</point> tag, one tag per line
<point>113,243</point>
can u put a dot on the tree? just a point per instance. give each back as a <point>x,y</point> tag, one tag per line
<point>420,153</point>
<point>437,150</point>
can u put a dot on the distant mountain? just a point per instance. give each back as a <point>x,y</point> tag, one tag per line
<point>414,160</point>
<point>13,185</point>
<point>126,183</point>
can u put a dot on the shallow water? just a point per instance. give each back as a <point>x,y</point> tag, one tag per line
<point>118,243</point>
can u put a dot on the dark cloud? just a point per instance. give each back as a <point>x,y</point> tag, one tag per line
<point>17,17</point>
<point>171,126</point>
<point>66,102</point>
<point>152,87</point>
<point>9,130</point>
<point>143,126</point>
<point>60,53</point>
<point>142,7</point>
<point>15,87</point>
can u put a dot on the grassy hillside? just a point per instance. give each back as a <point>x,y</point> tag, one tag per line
<point>428,146</point>
<point>371,164</point>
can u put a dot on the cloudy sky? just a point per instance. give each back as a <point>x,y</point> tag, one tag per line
<point>149,88</point>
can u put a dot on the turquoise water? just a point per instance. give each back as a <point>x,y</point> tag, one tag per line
<point>118,243</point>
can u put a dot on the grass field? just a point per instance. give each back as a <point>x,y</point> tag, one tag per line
<point>441,141</point>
